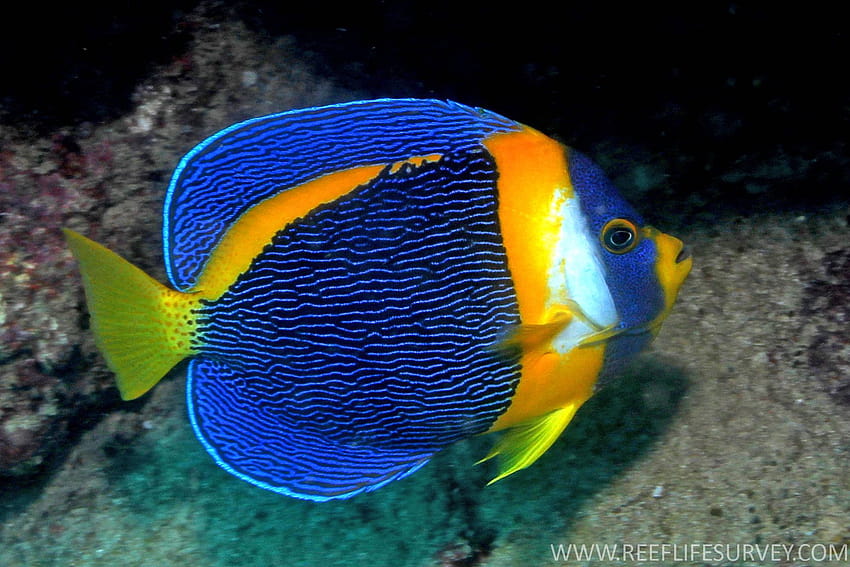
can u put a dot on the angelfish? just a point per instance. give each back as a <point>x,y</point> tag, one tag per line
<point>358,286</point>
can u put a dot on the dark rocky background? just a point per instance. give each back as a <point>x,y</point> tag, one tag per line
<point>710,80</point>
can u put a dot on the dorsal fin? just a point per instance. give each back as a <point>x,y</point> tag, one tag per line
<point>249,162</point>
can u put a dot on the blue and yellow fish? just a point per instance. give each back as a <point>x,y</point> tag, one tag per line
<point>358,286</point>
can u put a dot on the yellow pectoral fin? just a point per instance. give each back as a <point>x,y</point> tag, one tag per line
<point>529,338</point>
<point>534,339</point>
<point>520,446</point>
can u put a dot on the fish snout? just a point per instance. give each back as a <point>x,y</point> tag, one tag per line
<point>673,262</point>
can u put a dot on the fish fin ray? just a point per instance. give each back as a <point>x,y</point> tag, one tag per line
<point>274,449</point>
<point>140,341</point>
<point>202,202</point>
<point>523,444</point>
<point>529,338</point>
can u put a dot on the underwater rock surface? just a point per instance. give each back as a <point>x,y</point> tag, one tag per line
<point>734,429</point>
<point>107,181</point>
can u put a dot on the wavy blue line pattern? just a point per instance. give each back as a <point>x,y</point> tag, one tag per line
<point>250,161</point>
<point>360,341</point>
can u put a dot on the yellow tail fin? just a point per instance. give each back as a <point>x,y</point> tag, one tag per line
<point>142,327</point>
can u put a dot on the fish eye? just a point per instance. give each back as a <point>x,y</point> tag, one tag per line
<point>619,236</point>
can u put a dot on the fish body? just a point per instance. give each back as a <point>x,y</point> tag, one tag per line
<point>358,286</point>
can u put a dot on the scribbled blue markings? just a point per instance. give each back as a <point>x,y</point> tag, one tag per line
<point>250,161</point>
<point>361,340</point>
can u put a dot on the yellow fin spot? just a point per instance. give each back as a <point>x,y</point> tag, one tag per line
<point>523,444</point>
<point>415,161</point>
<point>142,327</point>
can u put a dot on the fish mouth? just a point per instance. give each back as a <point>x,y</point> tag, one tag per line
<point>673,264</point>
<point>672,267</point>
<point>684,254</point>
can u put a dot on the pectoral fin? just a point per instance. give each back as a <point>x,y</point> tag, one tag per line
<point>529,338</point>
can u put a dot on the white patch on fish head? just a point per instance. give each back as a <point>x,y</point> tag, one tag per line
<point>577,273</point>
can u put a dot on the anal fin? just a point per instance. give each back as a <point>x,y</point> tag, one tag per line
<point>522,445</point>
<point>252,436</point>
